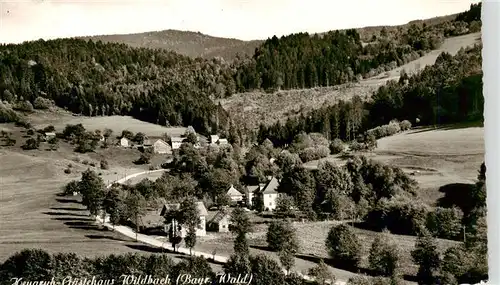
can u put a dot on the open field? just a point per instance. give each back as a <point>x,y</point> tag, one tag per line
<point>441,156</point>
<point>253,108</point>
<point>59,119</point>
<point>33,216</point>
<point>312,239</point>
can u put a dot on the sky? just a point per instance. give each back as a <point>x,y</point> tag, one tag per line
<point>24,20</point>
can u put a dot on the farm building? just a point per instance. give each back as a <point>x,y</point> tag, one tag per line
<point>251,194</point>
<point>124,142</point>
<point>269,194</point>
<point>48,136</point>
<point>220,222</point>
<point>222,142</point>
<point>174,225</point>
<point>176,142</point>
<point>214,139</point>
<point>234,194</point>
<point>158,146</point>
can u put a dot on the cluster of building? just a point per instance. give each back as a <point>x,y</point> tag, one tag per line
<point>263,194</point>
<point>160,146</point>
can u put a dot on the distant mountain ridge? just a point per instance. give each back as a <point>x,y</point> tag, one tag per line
<point>192,44</point>
<point>196,44</point>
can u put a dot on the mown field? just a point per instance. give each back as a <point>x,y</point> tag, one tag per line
<point>34,216</point>
<point>59,119</point>
<point>253,108</point>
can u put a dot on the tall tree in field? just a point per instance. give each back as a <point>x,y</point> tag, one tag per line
<point>281,236</point>
<point>427,257</point>
<point>322,274</point>
<point>92,189</point>
<point>135,207</point>
<point>384,256</point>
<point>189,216</point>
<point>343,245</point>
<point>239,262</point>
<point>113,205</point>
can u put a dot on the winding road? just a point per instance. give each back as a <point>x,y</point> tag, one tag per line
<point>127,231</point>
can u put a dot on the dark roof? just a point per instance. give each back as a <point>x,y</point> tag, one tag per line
<point>271,187</point>
<point>219,217</point>
<point>175,206</point>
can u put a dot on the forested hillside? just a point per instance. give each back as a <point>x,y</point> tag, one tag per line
<point>96,79</point>
<point>449,91</point>
<point>184,42</point>
<point>159,86</point>
<point>304,61</point>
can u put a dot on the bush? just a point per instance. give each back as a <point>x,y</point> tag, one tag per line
<point>445,222</point>
<point>281,233</point>
<point>337,146</point>
<point>67,171</point>
<point>400,215</point>
<point>405,125</point>
<point>384,256</point>
<point>313,153</point>
<point>71,187</point>
<point>24,106</point>
<point>30,144</point>
<point>104,164</point>
<point>42,103</point>
<point>343,245</point>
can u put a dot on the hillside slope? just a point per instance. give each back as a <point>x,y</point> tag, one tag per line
<point>184,42</point>
<point>253,108</point>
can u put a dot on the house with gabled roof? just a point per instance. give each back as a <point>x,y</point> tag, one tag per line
<point>220,222</point>
<point>269,194</point>
<point>158,146</point>
<point>176,142</point>
<point>174,225</point>
<point>235,195</point>
<point>124,142</point>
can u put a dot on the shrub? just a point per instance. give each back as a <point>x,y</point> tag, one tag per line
<point>405,125</point>
<point>30,132</point>
<point>49,129</point>
<point>42,103</point>
<point>336,146</point>
<point>71,187</point>
<point>30,144</point>
<point>24,106</point>
<point>343,245</point>
<point>67,171</point>
<point>384,256</point>
<point>85,162</point>
<point>92,164</point>
<point>104,164</point>
<point>445,222</point>
<point>281,233</point>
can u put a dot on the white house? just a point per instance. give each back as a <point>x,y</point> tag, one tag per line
<point>222,142</point>
<point>214,139</point>
<point>200,230</point>
<point>269,194</point>
<point>176,142</point>
<point>158,145</point>
<point>252,193</point>
<point>50,135</point>
<point>124,142</point>
<point>234,194</point>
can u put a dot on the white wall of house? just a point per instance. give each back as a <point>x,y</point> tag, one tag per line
<point>162,148</point>
<point>124,142</point>
<point>270,201</point>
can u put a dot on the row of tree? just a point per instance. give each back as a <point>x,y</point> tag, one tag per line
<point>449,91</point>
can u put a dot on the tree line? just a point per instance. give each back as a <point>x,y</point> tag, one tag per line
<point>158,86</point>
<point>450,91</point>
